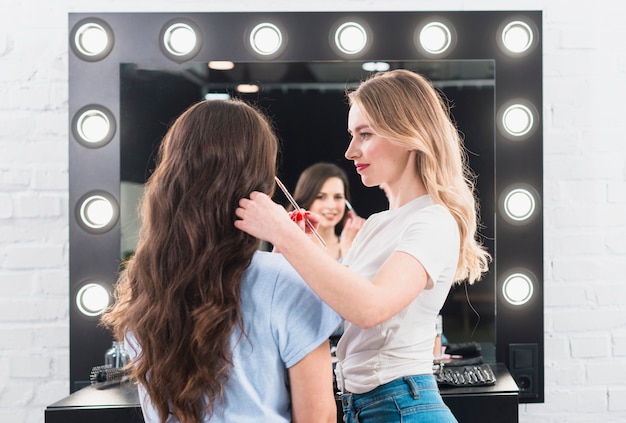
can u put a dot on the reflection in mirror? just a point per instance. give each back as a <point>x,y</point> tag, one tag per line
<point>308,105</point>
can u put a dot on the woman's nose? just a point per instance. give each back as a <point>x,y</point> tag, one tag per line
<point>351,152</point>
<point>329,203</point>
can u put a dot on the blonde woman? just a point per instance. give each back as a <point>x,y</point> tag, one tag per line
<point>402,263</point>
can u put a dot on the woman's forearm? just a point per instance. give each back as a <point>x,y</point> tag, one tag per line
<point>361,301</point>
<point>354,297</point>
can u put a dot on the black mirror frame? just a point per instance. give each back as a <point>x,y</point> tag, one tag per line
<point>519,329</point>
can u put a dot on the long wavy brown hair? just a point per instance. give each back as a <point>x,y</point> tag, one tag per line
<point>180,293</point>
<point>405,108</point>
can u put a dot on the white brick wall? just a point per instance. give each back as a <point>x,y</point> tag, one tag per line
<point>584,197</point>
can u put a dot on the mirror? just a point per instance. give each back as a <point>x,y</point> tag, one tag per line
<point>308,105</point>
<point>144,85</point>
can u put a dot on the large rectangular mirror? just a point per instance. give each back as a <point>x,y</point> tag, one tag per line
<point>308,105</point>
<point>140,85</point>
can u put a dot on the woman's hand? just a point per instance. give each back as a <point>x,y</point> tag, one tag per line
<point>351,227</point>
<point>262,218</point>
<point>306,220</point>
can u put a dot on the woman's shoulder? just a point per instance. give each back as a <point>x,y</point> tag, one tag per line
<point>271,267</point>
<point>424,207</point>
<point>265,261</point>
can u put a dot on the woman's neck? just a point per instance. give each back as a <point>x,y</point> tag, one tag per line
<point>403,195</point>
<point>407,187</point>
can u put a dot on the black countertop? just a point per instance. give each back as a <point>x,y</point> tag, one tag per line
<point>121,402</point>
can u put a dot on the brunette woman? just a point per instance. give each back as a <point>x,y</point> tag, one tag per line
<point>218,331</point>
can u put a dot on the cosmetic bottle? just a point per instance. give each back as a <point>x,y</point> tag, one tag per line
<point>437,350</point>
<point>116,356</point>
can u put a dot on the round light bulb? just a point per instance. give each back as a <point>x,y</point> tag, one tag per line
<point>97,211</point>
<point>517,289</point>
<point>517,37</point>
<point>91,39</point>
<point>517,120</point>
<point>351,38</point>
<point>93,126</point>
<point>92,299</point>
<point>266,39</point>
<point>519,204</point>
<point>435,38</point>
<point>180,39</point>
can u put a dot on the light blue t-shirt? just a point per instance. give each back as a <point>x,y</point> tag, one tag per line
<point>284,321</point>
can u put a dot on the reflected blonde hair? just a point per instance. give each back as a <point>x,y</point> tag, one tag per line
<point>403,107</point>
<point>180,293</point>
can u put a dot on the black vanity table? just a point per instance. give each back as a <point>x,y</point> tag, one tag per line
<point>498,403</point>
<point>120,403</point>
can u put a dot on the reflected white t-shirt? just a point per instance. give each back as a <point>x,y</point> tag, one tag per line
<point>403,345</point>
<point>284,321</point>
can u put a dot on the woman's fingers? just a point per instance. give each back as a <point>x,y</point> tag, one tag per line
<point>256,214</point>
<point>306,220</point>
<point>260,217</point>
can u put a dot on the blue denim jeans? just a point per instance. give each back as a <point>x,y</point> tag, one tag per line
<point>408,399</point>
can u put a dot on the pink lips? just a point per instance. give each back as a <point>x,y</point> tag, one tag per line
<point>360,167</point>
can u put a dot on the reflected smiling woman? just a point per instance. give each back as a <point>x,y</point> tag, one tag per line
<point>323,188</point>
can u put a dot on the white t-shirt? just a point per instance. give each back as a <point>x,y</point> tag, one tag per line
<point>403,345</point>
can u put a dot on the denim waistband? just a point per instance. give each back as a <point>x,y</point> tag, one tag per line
<point>412,384</point>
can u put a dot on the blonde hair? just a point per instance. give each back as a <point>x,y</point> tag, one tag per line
<point>403,107</point>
